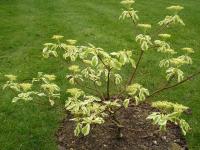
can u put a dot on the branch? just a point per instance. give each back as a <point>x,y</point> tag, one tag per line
<point>140,57</point>
<point>108,84</point>
<point>117,123</point>
<point>174,85</point>
<point>132,18</point>
<point>133,74</point>
<point>161,29</point>
<point>134,71</point>
<point>108,77</point>
<point>142,52</point>
<point>102,61</point>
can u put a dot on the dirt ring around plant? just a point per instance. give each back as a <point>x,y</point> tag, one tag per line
<point>139,134</point>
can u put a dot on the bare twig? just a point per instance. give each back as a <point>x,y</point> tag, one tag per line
<point>132,18</point>
<point>160,29</point>
<point>108,77</point>
<point>108,84</point>
<point>106,66</point>
<point>118,125</point>
<point>133,74</point>
<point>136,68</point>
<point>174,85</point>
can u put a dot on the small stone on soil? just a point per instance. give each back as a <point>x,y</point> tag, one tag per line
<point>155,142</point>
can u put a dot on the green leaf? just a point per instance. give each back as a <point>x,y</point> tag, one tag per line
<point>126,103</point>
<point>94,60</point>
<point>86,129</point>
<point>54,53</point>
<point>15,99</point>
<point>41,94</point>
<point>116,64</point>
<point>51,102</point>
<point>132,63</point>
<point>185,127</point>
<point>71,81</point>
<point>98,120</point>
<point>77,130</point>
<point>98,83</point>
<point>118,79</point>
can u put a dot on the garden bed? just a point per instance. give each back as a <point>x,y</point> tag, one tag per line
<point>138,134</point>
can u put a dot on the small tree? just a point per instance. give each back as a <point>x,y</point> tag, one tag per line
<point>94,71</point>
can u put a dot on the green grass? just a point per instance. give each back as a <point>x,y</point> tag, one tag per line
<point>26,24</point>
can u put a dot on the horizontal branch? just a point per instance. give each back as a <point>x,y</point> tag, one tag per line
<point>174,85</point>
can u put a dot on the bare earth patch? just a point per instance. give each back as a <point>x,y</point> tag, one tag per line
<point>138,134</point>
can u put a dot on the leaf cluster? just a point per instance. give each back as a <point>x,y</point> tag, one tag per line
<point>171,112</point>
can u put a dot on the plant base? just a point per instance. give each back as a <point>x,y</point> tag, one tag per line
<point>138,134</point>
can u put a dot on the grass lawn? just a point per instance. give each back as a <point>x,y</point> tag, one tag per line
<point>26,24</point>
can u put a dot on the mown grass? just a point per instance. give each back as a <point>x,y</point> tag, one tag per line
<point>26,24</point>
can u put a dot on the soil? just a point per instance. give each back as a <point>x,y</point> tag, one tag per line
<point>139,134</point>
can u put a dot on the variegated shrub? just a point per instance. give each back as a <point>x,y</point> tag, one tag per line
<point>93,71</point>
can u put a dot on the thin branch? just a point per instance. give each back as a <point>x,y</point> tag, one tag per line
<point>108,77</point>
<point>136,68</point>
<point>132,18</point>
<point>117,123</point>
<point>142,52</point>
<point>102,61</point>
<point>133,74</point>
<point>108,84</point>
<point>161,29</point>
<point>168,82</point>
<point>134,71</point>
<point>140,57</point>
<point>174,85</point>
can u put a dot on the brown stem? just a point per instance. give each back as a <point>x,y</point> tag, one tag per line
<point>108,77</point>
<point>168,82</point>
<point>174,85</point>
<point>118,125</point>
<point>132,19</point>
<point>161,29</point>
<point>142,52</point>
<point>108,84</point>
<point>136,68</point>
<point>140,57</point>
<point>134,71</point>
<point>102,61</point>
